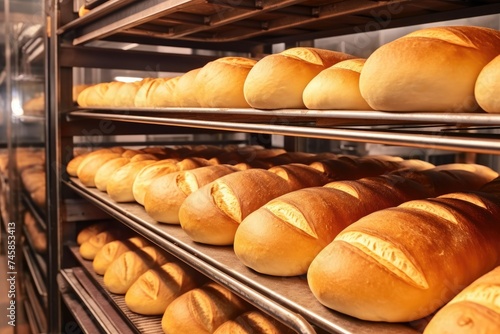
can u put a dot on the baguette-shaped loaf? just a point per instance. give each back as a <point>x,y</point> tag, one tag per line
<point>127,268</point>
<point>104,172</point>
<point>120,183</point>
<point>219,84</point>
<point>487,87</point>
<point>112,250</point>
<point>278,80</point>
<point>72,166</point>
<point>165,195</point>
<point>403,263</point>
<point>89,248</point>
<point>212,214</point>
<point>253,322</point>
<point>148,173</point>
<point>431,70</point>
<point>475,310</point>
<point>337,87</point>
<point>163,94</point>
<point>154,290</point>
<point>184,90</point>
<point>89,166</point>
<point>202,310</point>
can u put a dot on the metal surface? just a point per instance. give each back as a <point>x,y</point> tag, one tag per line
<point>83,319</point>
<point>102,311</point>
<point>39,312</point>
<point>286,298</point>
<point>267,21</point>
<point>36,275</point>
<point>41,264</point>
<point>437,141</point>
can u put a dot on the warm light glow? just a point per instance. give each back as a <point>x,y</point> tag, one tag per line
<point>128,79</point>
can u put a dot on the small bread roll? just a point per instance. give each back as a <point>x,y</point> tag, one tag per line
<point>487,88</point>
<point>154,290</point>
<point>253,322</point>
<point>201,310</point>
<point>129,266</point>
<point>165,195</point>
<point>89,248</point>
<point>219,84</point>
<point>337,87</point>
<point>148,174</point>
<point>474,310</point>
<point>184,90</point>
<point>112,250</point>
<point>87,232</point>
<point>429,70</point>
<point>120,183</point>
<point>278,81</point>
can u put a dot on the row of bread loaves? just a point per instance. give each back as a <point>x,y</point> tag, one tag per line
<point>403,263</point>
<point>440,69</point>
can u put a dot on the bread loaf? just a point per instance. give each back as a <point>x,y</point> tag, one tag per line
<point>72,166</point>
<point>219,84</point>
<point>164,94</point>
<point>87,232</point>
<point>104,172</point>
<point>89,248</point>
<point>120,183</point>
<point>212,214</point>
<point>431,70</point>
<point>109,96</point>
<point>253,322</point>
<point>125,96</point>
<point>278,80</point>
<point>154,290</point>
<point>474,310</point>
<point>88,167</point>
<point>112,250</point>
<point>93,96</point>
<point>165,195</point>
<point>184,90</point>
<point>148,174</point>
<point>201,310</point>
<point>487,87</point>
<point>403,263</point>
<point>129,266</point>
<point>336,87</point>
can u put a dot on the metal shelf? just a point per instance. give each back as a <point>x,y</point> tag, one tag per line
<point>40,260</point>
<point>34,210</point>
<point>288,299</point>
<point>308,123</point>
<point>266,21</point>
<point>104,314</point>
<point>36,276</point>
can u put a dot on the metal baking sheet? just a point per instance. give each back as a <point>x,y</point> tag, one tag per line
<point>291,292</point>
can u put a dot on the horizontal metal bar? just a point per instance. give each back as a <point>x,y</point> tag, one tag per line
<point>153,62</point>
<point>440,141</point>
<point>36,275</point>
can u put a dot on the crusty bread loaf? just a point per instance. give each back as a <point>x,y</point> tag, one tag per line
<point>91,164</point>
<point>278,80</point>
<point>165,195</point>
<point>87,232</point>
<point>219,84</point>
<point>253,322</point>
<point>72,166</point>
<point>337,87</point>
<point>125,96</point>
<point>89,248</point>
<point>104,172</point>
<point>127,268</point>
<point>93,96</point>
<point>36,234</point>
<point>201,310</point>
<point>487,87</point>
<point>212,214</point>
<point>403,263</point>
<point>154,290</point>
<point>431,70</point>
<point>148,174</point>
<point>164,94</point>
<point>185,91</point>
<point>112,250</point>
<point>109,96</point>
<point>474,310</point>
<point>120,183</point>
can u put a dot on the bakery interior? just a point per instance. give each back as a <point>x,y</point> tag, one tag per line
<point>217,166</point>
